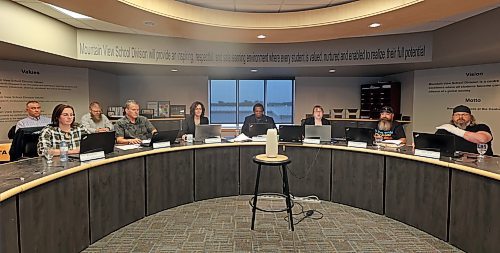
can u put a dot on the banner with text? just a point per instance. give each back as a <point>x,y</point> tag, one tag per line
<point>438,91</point>
<point>50,85</point>
<point>129,48</point>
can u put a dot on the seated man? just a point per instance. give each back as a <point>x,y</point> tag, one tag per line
<point>95,121</point>
<point>387,128</point>
<point>257,117</point>
<point>34,119</point>
<point>463,124</point>
<point>132,128</point>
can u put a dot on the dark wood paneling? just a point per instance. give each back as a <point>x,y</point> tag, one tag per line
<point>8,226</point>
<point>309,172</point>
<point>475,212</point>
<point>417,194</point>
<point>54,217</point>
<point>270,177</point>
<point>117,196</point>
<point>358,180</point>
<point>169,180</point>
<point>216,172</point>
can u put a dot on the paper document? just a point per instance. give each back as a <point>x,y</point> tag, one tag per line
<point>128,147</point>
<point>396,142</point>
<point>241,137</point>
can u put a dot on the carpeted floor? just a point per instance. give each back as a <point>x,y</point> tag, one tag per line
<point>223,225</point>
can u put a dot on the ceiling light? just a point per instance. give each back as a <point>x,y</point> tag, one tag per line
<point>149,23</point>
<point>69,13</point>
<point>253,70</point>
<point>374,25</point>
<point>174,70</point>
<point>261,36</point>
<point>332,70</point>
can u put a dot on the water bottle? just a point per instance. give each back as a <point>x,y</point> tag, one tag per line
<point>64,151</point>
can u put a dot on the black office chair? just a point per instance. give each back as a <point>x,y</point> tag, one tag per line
<point>12,132</point>
<point>24,143</point>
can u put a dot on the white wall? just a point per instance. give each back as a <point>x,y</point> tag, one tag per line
<point>329,92</point>
<point>104,88</point>
<point>437,91</point>
<point>179,90</point>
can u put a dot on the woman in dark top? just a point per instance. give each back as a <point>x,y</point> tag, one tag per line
<point>196,117</point>
<point>317,118</point>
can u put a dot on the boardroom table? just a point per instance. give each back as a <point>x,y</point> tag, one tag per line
<point>67,206</point>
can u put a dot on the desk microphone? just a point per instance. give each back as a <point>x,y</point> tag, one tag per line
<point>272,143</point>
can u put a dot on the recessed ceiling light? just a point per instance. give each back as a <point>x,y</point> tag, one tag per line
<point>332,70</point>
<point>174,70</point>
<point>149,23</point>
<point>374,25</point>
<point>69,13</point>
<point>261,36</point>
<point>253,70</point>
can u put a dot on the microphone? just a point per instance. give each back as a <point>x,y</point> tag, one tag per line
<point>272,143</point>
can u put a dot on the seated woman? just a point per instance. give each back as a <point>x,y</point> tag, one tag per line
<point>196,117</point>
<point>62,127</point>
<point>317,118</point>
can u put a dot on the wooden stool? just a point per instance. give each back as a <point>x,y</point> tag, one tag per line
<point>280,160</point>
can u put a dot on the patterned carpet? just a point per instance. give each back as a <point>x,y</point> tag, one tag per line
<point>223,225</point>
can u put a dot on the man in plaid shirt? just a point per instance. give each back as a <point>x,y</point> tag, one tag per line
<point>132,128</point>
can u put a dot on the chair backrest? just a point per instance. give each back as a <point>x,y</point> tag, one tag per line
<point>12,132</point>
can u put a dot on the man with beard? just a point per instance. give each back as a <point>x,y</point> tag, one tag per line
<point>95,121</point>
<point>463,124</point>
<point>387,128</point>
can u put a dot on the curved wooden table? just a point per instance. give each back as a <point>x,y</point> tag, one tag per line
<point>73,205</point>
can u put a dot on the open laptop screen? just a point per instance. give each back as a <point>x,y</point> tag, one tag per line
<point>445,144</point>
<point>104,141</point>
<point>203,132</point>
<point>324,133</point>
<point>360,134</point>
<point>290,133</point>
<point>256,129</point>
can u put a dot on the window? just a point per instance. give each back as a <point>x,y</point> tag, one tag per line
<point>232,100</point>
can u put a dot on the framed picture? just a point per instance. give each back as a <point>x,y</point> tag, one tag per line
<point>110,113</point>
<point>177,111</point>
<point>154,106</point>
<point>163,109</point>
<point>148,113</point>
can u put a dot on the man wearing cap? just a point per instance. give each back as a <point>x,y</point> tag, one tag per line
<point>463,124</point>
<point>387,128</point>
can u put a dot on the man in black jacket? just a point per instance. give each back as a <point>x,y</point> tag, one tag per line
<point>257,117</point>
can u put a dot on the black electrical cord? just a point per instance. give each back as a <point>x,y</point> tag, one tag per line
<point>306,214</point>
<point>308,170</point>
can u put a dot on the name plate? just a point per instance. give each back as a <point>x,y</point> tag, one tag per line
<point>162,144</point>
<point>213,140</point>
<point>259,139</point>
<point>427,153</point>
<point>92,156</point>
<point>311,141</point>
<point>357,144</point>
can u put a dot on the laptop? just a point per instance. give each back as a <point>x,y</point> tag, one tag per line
<point>324,133</point>
<point>95,142</point>
<point>256,129</point>
<point>360,135</point>
<point>445,144</point>
<point>162,136</point>
<point>202,132</point>
<point>290,133</point>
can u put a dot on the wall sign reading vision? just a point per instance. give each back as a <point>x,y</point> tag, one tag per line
<point>128,48</point>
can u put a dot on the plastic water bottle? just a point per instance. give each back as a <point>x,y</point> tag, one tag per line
<point>64,151</point>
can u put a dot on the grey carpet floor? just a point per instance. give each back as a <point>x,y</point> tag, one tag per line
<point>223,225</point>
